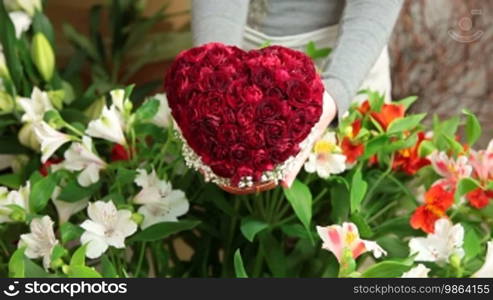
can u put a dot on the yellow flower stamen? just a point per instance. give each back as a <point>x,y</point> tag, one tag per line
<point>322,147</point>
<point>351,237</point>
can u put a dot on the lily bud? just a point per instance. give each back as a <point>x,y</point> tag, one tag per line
<point>18,215</point>
<point>137,218</point>
<point>43,56</point>
<point>27,137</point>
<point>57,263</point>
<point>19,163</point>
<point>4,71</point>
<point>93,112</point>
<point>6,103</point>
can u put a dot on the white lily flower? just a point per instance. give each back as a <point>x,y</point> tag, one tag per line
<point>107,227</point>
<point>50,139</point>
<point>163,116</point>
<point>36,106</point>
<point>16,197</point>
<point>437,247</point>
<point>40,242</point>
<point>486,271</point>
<point>80,157</point>
<point>22,22</point>
<point>109,126</point>
<point>420,271</point>
<point>160,202</point>
<point>326,158</point>
<point>67,209</point>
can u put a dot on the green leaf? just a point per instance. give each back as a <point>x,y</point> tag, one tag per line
<point>300,198</point>
<point>404,124</point>
<point>455,146</point>
<point>9,43</point>
<point>147,110</point>
<point>13,181</point>
<point>358,190</point>
<point>250,227</point>
<point>406,102</point>
<point>472,243</point>
<point>473,128</point>
<point>315,53</point>
<point>41,24</point>
<point>387,269</point>
<point>401,144</point>
<point>57,252</point>
<point>163,230</point>
<point>74,192</point>
<point>81,42</point>
<point>33,270</point>
<point>364,229</point>
<point>465,186</point>
<point>375,145</point>
<point>274,254</point>
<point>16,262</point>
<point>107,267</point>
<point>79,257</point>
<point>82,272</point>
<point>340,203</point>
<point>11,145</point>
<point>41,192</point>
<point>426,148</point>
<point>239,268</point>
<point>70,232</point>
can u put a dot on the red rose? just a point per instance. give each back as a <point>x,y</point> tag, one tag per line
<point>299,94</point>
<point>262,160</point>
<point>271,108</point>
<point>275,132</point>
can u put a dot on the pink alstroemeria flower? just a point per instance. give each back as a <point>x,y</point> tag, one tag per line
<point>337,238</point>
<point>482,162</point>
<point>449,168</point>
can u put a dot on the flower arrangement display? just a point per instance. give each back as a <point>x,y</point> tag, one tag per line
<point>244,116</point>
<point>95,181</point>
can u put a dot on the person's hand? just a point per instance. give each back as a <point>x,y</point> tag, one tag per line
<point>328,114</point>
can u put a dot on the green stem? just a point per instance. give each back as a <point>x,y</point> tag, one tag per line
<point>382,211</point>
<point>369,195</point>
<point>141,259</point>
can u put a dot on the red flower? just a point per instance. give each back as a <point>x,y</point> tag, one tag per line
<point>364,108</point>
<point>351,151</point>
<point>388,113</point>
<point>118,152</point>
<point>479,198</point>
<point>45,168</point>
<point>244,112</point>
<point>408,160</point>
<point>438,199</point>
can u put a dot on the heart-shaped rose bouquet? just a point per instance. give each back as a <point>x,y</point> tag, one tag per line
<point>244,116</point>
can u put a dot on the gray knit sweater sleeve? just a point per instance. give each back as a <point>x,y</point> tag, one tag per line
<point>365,28</point>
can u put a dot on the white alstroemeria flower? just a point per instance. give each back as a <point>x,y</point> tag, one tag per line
<point>67,209</point>
<point>337,239</point>
<point>420,271</point>
<point>16,197</point>
<point>36,106</point>
<point>50,139</point>
<point>22,22</point>
<point>486,271</point>
<point>326,158</point>
<point>163,116</point>
<point>107,227</point>
<point>109,126</point>
<point>81,157</point>
<point>40,242</point>
<point>160,203</point>
<point>437,247</point>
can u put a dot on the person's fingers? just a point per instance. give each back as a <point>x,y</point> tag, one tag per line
<point>328,114</point>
